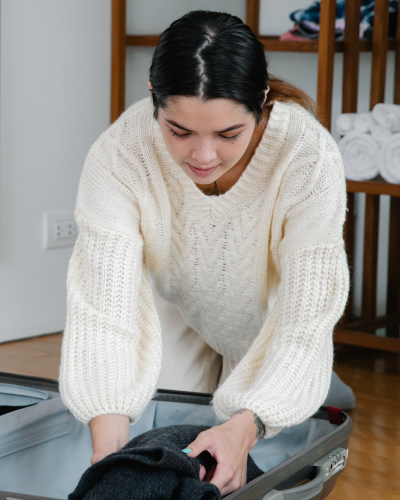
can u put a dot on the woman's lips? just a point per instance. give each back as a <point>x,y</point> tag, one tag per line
<point>200,172</point>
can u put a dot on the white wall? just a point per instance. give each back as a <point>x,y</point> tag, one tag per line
<point>55,99</point>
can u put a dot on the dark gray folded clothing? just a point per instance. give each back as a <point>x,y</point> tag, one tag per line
<point>153,466</point>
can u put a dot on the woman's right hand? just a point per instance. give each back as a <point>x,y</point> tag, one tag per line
<point>109,434</point>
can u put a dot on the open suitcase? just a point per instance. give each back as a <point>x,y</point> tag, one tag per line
<point>44,450</point>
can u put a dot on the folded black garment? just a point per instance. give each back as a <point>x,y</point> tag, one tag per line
<point>152,466</point>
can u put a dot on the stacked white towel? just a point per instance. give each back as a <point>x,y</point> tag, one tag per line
<point>380,134</point>
<point>389,165</point>
<point>360,156</point>
<point>387,115</point>
<point>363,122</point>
<point>345,123</point>
<point>371,143</point>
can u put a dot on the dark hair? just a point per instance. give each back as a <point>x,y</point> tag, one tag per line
<point>212,55</point>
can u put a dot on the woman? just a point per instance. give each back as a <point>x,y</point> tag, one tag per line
<point>259,271</point>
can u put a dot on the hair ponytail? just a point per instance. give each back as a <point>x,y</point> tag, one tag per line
<point>283,91</point>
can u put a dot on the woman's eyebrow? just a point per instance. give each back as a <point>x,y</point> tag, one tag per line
<point>234,127</point>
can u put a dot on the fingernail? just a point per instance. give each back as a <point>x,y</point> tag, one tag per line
<point>187,450</point>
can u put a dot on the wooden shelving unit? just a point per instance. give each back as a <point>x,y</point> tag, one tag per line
<point>271,43</point>
<point>348,331</point>
<point>362,332</point>
<point>374,186</point>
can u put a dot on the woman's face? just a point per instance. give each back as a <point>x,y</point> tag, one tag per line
<point>206,139</point>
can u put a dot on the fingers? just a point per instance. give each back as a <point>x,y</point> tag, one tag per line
<point>226,475</point>
<point>96,457</point>
<point>228,480</point>
<point>202,472</point>
<point>222,477</point>
<point>197,446</point>
<point>200,444</point>
<point>210,473</point>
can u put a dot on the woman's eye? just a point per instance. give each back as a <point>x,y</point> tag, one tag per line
<point>178,136</point>
<point>184,136</point>
<point>232,138</point>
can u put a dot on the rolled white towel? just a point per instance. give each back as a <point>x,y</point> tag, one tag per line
<point>380,134</point>
<point>363,122</point>
<point>345,123</point>
<point>389,161</point>
<point>360,156</point>
<point>387,115</point>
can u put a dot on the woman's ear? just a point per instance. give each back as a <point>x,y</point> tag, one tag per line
<point>265,92</point>
<point>150,85</point>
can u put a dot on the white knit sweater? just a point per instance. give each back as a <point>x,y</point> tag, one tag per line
<point>260,272</point>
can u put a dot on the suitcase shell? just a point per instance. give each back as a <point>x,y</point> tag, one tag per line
<point>44,449</point>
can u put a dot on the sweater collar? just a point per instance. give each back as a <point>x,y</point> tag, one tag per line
<point>263,159</point>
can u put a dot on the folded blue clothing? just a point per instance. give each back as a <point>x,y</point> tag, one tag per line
<point>312,15</point>
<point>367,19</point>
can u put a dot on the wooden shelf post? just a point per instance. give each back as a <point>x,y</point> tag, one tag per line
<point>379,52</point>
<point>253,15</point>
<point>326,60</point>
<point>393,290</point>
<point>351,58</point>
<point>378,76</point>
<point>393,286</point>
<point>118,55</point>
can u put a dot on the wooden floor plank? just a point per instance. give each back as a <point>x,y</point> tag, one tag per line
<point>373,478</point>
<point>376,447</point>
<point>371,462</point>
<point>388,404</point>
<point>348,488</point>
<point>391,422</point>
<point>381,434</point>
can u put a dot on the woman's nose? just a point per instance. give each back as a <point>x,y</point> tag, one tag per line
<point>204,154</point>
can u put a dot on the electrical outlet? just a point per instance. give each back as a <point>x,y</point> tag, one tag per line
<point>59,229</point>
<point>64,229</point>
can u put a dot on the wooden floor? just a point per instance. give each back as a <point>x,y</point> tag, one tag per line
<point>373,468</point>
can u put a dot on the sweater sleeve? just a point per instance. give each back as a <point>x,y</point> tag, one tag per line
<point>111,348</point>
<point>285,375</point>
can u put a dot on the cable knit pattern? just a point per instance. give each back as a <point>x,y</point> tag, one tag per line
<point>260,272</point>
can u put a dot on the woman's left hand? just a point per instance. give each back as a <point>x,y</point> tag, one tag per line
<point>229,443</point>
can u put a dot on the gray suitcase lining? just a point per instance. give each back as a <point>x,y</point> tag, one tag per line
<point>37,443</point>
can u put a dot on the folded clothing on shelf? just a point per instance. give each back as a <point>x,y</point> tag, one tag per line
<point>308,32</point>
<point>307,21</point>
<point>367,19</point>
<point>293,36</point>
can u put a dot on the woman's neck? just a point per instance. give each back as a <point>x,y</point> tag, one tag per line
<point>227,180</point>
